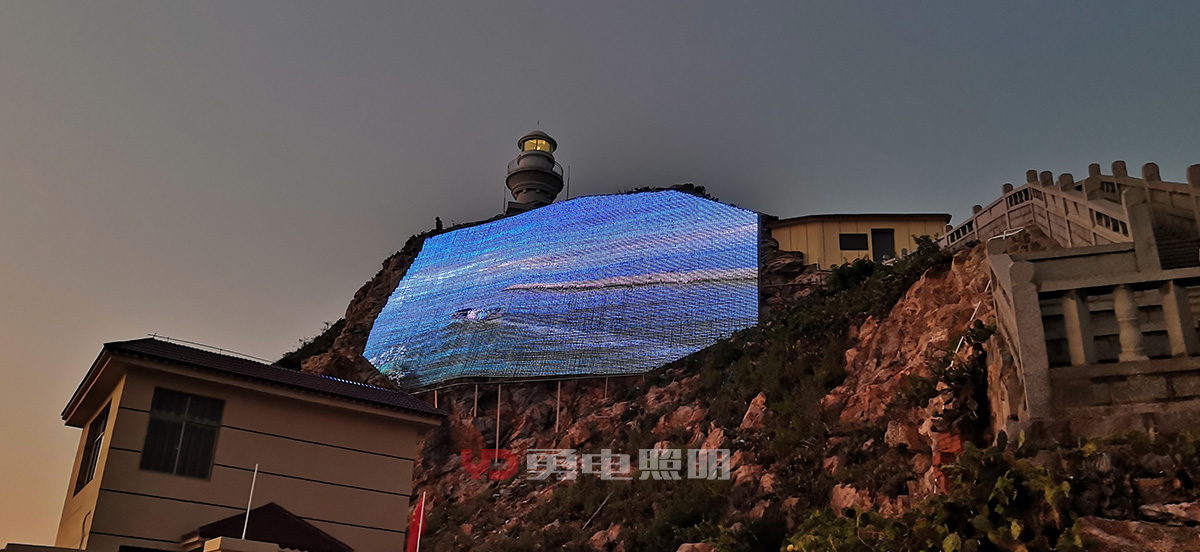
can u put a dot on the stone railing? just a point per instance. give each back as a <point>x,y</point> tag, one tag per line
<point>1072,213</point>
<point>1104,339</point>
<point>1087,212</point>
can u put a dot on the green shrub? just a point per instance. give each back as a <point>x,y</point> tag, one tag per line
<point>996,501</point>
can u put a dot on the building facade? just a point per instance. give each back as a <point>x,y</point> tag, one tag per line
<point>831,240</point>
<point>173,435</point>
<point>1102,323</point>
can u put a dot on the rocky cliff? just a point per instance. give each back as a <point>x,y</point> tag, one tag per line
<point>761,395</point>
<point>343,358</point>
<point>859,417</point>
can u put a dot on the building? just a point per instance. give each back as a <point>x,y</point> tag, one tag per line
<point>1100,318</point>
<point>830,240</point>
<point>173,436</point>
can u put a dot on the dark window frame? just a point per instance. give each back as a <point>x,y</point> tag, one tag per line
<point>181,434</point>
<point>845,245</point>
<point>90,460</point>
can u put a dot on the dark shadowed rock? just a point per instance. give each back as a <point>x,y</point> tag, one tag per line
<point>1108,535</point>
<point>344,358</point>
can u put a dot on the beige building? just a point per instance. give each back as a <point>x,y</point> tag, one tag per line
<point>172,435</point>
<point>830,240</point>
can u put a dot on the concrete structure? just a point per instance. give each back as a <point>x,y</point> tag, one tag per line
<point>227,544</point>
<point>1104,330</point>
<point>830,240</point>
<point>172,435</point>
<point>219,544</point>
<point>1092,212</point>
<point>533,177</point>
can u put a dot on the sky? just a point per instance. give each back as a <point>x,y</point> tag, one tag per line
<point>231,172</point>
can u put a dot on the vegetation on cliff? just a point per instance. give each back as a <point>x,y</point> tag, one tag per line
<point>1027,497</point>
<point>791,360</point>
<point>312,346</point>
<point>858,419</point>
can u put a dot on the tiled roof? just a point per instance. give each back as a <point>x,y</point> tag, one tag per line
<point>244,368</point>
<point>274,524</point>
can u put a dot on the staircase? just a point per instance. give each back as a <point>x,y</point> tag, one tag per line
<point>1176,250</point>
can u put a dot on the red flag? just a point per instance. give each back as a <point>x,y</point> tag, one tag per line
<point>416,526</point>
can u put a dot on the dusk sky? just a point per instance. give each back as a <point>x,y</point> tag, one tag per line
<point>230,173</point>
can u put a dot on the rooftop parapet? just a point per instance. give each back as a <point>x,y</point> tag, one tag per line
<point>1094,205</point>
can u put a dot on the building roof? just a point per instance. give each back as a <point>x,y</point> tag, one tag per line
<point>274,524</point>
<point>157,349</point>
<point>943,217</point>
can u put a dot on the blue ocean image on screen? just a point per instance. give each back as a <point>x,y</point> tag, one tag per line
<point>598,285</point>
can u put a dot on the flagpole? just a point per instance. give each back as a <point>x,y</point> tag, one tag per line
<point>421,523</point>
<point>246,526</point>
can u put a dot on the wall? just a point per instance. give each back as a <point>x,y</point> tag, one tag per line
<point>818,239</point>
<point>79,508</point>
<point>345,469</point>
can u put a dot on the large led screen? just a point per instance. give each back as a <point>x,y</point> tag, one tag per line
<point>616,284</point>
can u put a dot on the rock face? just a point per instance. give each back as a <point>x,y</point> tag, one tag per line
<point>667,410</point>
<point>1107,535</point>
<point>921,329</point>
<point>755,413</point>
<point>344,358</point>
<point>785,277</point>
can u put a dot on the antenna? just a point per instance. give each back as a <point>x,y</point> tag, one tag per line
<point>246,526</point>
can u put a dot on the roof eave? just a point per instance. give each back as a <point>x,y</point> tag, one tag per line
<point>427,417</point>
<point>944,217</point>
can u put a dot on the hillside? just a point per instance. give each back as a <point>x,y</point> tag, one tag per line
<point>853,425</point>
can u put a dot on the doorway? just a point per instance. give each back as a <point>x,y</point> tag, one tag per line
<point>883,244</point>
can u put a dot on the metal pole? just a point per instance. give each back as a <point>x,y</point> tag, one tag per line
<point>557,406</point>
<point>606,389</point>
<point>475,407</point>
<point>498,387</point>
<point>253,481</point>
<point>435,398</point>
<point>421,522</point>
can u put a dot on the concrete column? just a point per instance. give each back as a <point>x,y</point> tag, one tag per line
<point>1177,314</point>
<point>1141,230</point>
<point>1193,178</point>
<point>1031,339</point>
<point>1078,320</point>
<point>975,210</point>
<point>1126,310</point>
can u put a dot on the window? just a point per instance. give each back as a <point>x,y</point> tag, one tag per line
<point>91,450</point>
<point>540,145</point>
<point>182,435</point>
<point>852,242</point>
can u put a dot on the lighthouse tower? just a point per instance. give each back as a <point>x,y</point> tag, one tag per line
<point>533,177</point>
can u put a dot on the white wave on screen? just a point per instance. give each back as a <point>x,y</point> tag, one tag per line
<point>637,280</point>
